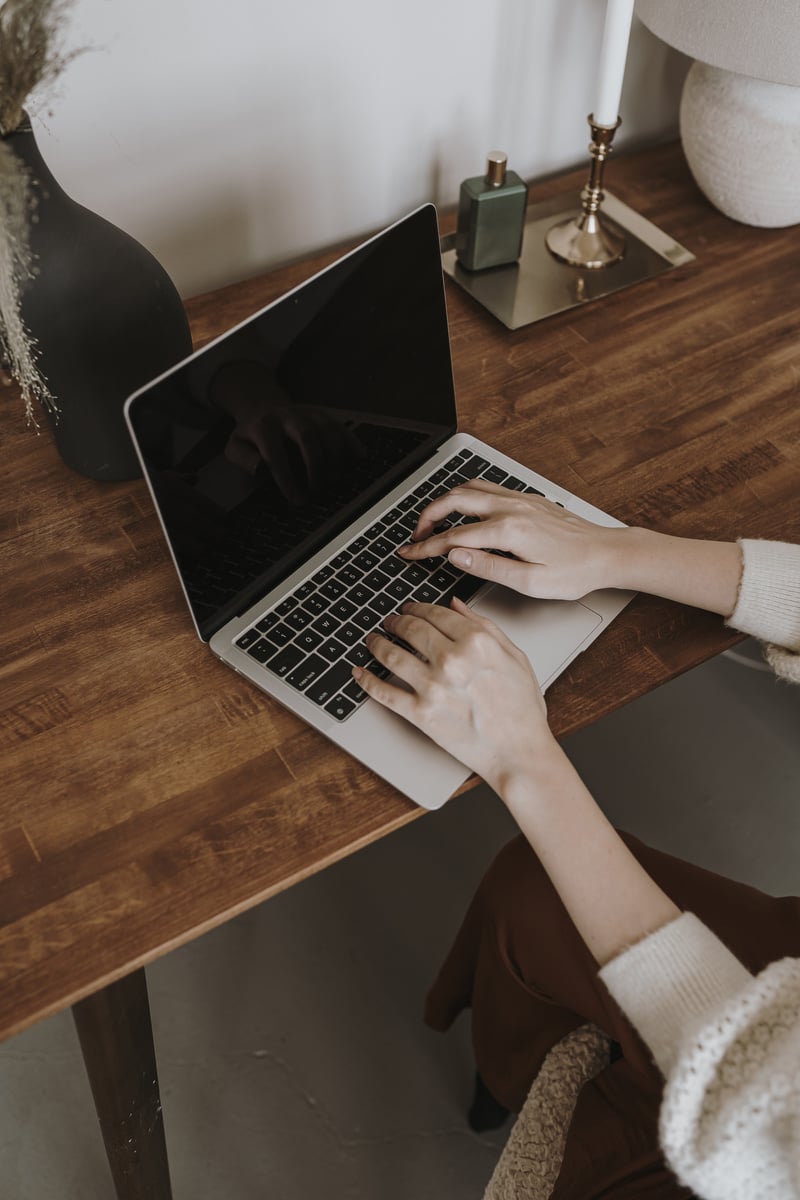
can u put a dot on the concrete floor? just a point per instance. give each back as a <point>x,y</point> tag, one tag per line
<point>292,1057</point>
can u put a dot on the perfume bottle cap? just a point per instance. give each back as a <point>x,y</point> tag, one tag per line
<point>496,168</point>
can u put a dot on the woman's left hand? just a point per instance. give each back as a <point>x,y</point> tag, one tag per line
<point>468,687</point>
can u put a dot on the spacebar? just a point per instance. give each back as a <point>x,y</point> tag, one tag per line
<point>464,588</point>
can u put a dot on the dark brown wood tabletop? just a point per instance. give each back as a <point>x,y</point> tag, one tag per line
<point>148,793</point>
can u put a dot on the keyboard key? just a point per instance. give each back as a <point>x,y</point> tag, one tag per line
<point>383,604</point>
<point>359,544</point>
<point>333,589</point>
<point>474,466</point>
<point>359,656</point>
<point>299,618</point>
<point>309,639</point>
<point>440,475</point>
<point>342,609</point>
<point>442,580</point>
<point>340,559</point>
<point>261,651</point>
<point>454,463</point>
<point>426,594</point>
<point>382,546</point>
<point>316,603</point>
<point>406,503</point>
<point>414,574</point>
<point>375,529</point>
<point>515,484</point>
<point>465,588</point>
<point>532,491</point>
<point>247,638</point>
<point>494,474</point>
<point>267,622</point>
<point>396,535</point>
<point>376,580</point>
<point>455,479</point>
<point>360,595</point>
<point>400,588</point>
<point>392,565</point>
<point>322,574</point>
<point>326,625</point>
<point>326,687</point>
<point>355,692</point>
<point>349,634</point>
<point>304,590</point>
<point>308,670</point>
<point>366,560</point>
<point>366,619</point>
<point>332,649</point>
<point>392,515</point>
<point>340,707</point>
<point>285,661</point>
<point>285,606</point>
<point>349,575</point>
<point>280,635</point>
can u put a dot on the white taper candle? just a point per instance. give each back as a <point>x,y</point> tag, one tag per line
<point>614,51</point>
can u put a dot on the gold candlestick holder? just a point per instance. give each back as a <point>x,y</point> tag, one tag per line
<point>589,240</point>
<point>562,253</point>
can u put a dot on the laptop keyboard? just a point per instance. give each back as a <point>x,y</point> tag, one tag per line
<point>314,637</point>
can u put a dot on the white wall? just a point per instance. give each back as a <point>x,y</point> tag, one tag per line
<point>233,135</point>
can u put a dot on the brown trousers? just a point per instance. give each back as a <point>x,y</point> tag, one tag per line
<point>519,963</point>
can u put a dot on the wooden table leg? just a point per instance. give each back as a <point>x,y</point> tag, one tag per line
<point>117,1042</point>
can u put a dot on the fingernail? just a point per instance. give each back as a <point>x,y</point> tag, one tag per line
<point>460,558</point>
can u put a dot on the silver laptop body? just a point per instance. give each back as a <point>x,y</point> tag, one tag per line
<point>287,460</point>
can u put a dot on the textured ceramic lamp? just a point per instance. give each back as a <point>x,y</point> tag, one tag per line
<point>740,110</point>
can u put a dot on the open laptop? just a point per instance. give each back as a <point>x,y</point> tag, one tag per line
<point>289,458</point>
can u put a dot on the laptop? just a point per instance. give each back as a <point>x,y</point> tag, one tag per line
<point>290,457</point>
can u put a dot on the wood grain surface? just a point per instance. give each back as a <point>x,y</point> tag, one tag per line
<point>148,793</point>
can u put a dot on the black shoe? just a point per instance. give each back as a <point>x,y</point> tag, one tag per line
<point>485,1113</point>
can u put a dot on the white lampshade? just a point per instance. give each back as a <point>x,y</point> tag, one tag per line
<point>759,38</point>
<point>740,109</point>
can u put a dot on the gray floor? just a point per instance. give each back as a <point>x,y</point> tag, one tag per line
<point>292,1057</point>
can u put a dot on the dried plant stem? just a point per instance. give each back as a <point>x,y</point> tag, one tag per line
<point>16,268</point>
<point>30,53</point>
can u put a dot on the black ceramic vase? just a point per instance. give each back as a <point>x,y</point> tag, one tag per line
<point>106,316</point>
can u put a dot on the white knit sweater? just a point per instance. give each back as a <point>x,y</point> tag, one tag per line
<point>727,1043</point>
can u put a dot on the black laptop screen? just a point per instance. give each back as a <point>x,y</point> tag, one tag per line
<point>266,444</point>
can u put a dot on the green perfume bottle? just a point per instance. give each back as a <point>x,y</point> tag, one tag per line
<point>491,216</point>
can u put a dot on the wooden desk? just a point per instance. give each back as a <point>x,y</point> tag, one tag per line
<point>149,794</point>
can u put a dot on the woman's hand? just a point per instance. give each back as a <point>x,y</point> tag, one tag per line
<point>557,555</point>
<point>468,687</point>
<point>560,556</point>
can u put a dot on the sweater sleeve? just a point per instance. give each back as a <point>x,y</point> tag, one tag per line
<point>728,1045</point>
<point>768,604</point>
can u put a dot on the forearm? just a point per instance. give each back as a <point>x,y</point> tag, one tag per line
<point>611,899</point>
<point>703,574</point>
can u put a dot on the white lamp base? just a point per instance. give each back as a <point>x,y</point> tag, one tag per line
<point>741,138</point>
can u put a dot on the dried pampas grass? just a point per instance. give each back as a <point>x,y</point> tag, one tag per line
<point>30,53</point>
<point>31,59</point>
<point>16,268</point>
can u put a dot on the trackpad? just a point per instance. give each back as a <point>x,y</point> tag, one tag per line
<point>551,632</point>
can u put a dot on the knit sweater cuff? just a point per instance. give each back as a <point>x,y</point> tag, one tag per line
<point>768,605</point>
<point>672,983</point>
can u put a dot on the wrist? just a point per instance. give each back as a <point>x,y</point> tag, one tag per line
<point>699,572</point>
<point>528,781</point>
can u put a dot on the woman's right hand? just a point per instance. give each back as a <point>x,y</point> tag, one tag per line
<point>557,555</point>
<point>560,556</point>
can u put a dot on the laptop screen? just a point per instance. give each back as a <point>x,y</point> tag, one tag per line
<point>264,445</point>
